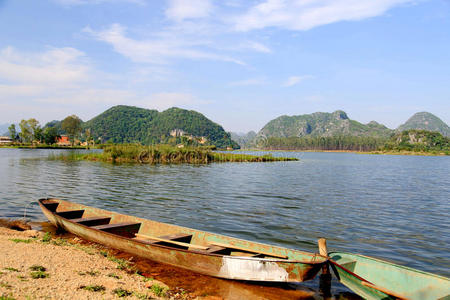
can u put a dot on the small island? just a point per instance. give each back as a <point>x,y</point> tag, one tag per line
<point>166,154</point>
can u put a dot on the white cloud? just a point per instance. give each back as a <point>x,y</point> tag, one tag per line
<point>55,83</point>
<point>159,50</point>
<point>248,82</point>
<point>307,14</point>
<point>180,10</point>
<point>57,65</point>
<point>294,80</point>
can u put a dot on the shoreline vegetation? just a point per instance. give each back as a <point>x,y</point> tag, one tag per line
<point>165,154</point>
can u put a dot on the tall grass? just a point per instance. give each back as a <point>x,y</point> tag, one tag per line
<point>165,154</point>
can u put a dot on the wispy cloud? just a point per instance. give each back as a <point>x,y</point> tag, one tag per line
<point>63,78</point>
<point>248,82</point>
<point>304,15</point>
<point>294,80</point>
<point>160,50</point>
<point>180,10</point>
<point>57,65</point>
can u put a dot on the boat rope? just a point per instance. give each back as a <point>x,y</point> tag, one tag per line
<point>25,209</point>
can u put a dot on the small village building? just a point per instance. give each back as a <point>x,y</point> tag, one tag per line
<point>177,132</point>
<point>63,141</point>
<point>5,140</point>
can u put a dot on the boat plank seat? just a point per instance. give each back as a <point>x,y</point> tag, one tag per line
<point>51,206</point>
<point>92,221</point>
<point>71,214</point>
<point>213,249</point>
<point>122,229</point>
<point>257,253</point>
<point>179,237</point>
<point>171,240</point>
<point>247,254</point>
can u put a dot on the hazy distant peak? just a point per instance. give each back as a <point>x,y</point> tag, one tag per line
<point>426,121</point>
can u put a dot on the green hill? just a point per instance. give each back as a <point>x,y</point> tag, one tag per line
<point>127,124</point>
<point>322,124</point>
<point>426,121</point>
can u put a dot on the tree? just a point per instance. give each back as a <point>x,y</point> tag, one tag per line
<point>50,135</point>
<point>12,132</point>
<point>25,131</point>
<point>72,125</point>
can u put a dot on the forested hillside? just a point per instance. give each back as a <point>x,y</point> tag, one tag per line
<point>322,124</point>
<point>127,124</point>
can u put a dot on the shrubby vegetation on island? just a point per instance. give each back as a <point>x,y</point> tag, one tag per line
<point>165,154</point>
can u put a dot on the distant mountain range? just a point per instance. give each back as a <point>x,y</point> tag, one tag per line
<point>322,124</point>
<point>129,124</point>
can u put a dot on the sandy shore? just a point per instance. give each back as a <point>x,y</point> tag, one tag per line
<point>71,270</point>
<point>75,269</point>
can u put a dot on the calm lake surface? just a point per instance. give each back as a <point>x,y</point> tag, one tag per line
<point>392,207</point>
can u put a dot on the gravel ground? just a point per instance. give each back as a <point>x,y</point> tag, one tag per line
<point>74,270</point>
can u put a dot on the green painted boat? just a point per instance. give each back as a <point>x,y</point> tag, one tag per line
<point>373,278</point>
<point>199,251</point>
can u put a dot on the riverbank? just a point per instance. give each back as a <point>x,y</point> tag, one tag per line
<point>34,265</point>
<point>165,154</point>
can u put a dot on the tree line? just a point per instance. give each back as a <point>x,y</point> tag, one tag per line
<point>408,140</point>
<point>32,132</point>
<point>331,143</point>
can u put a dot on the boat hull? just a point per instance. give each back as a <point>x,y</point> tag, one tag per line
<point>406,282</point>
<point>223,266</point>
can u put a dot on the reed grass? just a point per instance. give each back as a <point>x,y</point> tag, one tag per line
<point>164,154</point>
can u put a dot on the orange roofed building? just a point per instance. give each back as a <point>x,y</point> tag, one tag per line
<point>63,141</point>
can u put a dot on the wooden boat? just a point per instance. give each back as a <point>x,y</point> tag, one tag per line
<point>373,278</point>
<point>199,251</point>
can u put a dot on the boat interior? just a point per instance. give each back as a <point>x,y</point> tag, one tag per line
<point>129,227</point>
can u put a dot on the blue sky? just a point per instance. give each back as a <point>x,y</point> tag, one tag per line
<point>241,63</point>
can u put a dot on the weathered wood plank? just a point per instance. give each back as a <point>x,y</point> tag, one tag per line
<point>244,249</point>
<point>160,239</point>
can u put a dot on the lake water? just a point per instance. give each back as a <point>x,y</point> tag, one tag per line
<point>392,207</point>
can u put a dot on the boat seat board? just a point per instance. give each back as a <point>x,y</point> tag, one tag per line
<point>114,226</point>
<point>240,253</point>
<point>71,214</point>
<point>123,229</point>
<point>247,250</point>
<point>216,249</point>
<point>92,221</point>
<point>180,237</point>
<point>163,240</point>
<point>51,206</point>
